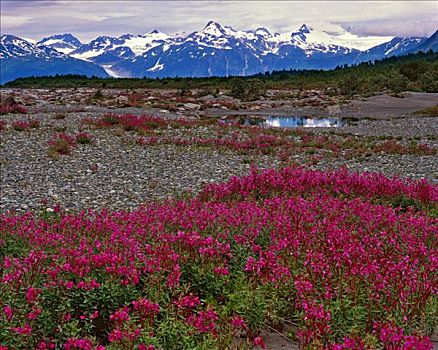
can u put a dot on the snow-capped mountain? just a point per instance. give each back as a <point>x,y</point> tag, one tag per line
<point>12,46</point>
<point>309,38</point>
<point>395,47</point>
<point>21,58</point>
<point>125,46</point>
<point>64,43</point>
<point>429,44</point>
<point>218,50</point>
<point>224,51</point>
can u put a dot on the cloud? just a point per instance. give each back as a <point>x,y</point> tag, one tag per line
<point>422,27</point>
<point>88,19</point>
<point>11,22</point>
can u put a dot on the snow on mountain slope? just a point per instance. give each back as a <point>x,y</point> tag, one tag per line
<point>395,47</point>
<point>96,47</point>
<point>403,45</point>
<point>64,43</point>
<point>142,43</point>
<point>333,40</point>
<point>12,46</point>
<point>21,58</point>
<point>223,51</point>
<point>338,35</point>
<point>430,43</point>
<point>311,40</point>
<point>138,44</point>
<point>218,50</point>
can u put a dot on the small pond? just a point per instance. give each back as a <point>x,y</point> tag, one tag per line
<point>287,121</point>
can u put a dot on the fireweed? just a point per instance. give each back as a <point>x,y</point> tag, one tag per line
<point>250,139</point>
<point>137,123</point>
<point>330,252</point>
<point>22,125</point>
<point>62,143</point>
<point>14,108</point>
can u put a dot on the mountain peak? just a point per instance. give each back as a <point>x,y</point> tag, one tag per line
<point>304,29</point>
<point>263,31</point>
<point>155,31</point>
<point>60,39</point>
<point>214,28</point>
<point>16,47</point>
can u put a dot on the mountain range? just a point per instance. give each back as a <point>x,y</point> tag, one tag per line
<point>216,50</point>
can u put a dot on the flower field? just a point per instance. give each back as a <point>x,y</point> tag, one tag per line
<point>340,260</point>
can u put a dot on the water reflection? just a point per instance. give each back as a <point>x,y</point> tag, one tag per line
<point>287,122</point>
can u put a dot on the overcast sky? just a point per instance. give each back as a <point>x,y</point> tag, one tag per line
<point>88,19</point>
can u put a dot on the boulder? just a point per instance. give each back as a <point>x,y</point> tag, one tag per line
<point>335,109</point>
<point>122,100</point>
<point>309,93</point>
<point>207,98</point>
<point>191,106</point>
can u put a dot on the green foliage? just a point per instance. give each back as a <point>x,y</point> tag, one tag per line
<point>174,334</point>
<point>429,80</point>
<point>249,303</point>
<point>247,89</point>
<point>413,70</point>
<point>98,95</point>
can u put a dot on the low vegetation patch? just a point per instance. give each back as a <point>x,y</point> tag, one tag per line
<point>12,108</point>
<point>22,125</point>
<point>61,144</point>
<point>331,253</point>
<point>429,112</point>
<point>84,138</point>
<point>280,143</point>
<point>138,123</point>
<point>393,147</point>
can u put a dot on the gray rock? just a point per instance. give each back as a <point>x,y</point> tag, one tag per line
<point>122,100</point>
<point>191,106</point>
<point>335,109</point>
<point>207,98</point>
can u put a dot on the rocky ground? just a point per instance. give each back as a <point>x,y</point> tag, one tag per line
<point>116,173</point>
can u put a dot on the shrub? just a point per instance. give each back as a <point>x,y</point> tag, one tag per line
<point>350,85</point>
<point>33,123</point>
<point>247,90</point>
<point>98,95</point>
<point>61,144</point>
<point>20,125</point>
<point>84,138</point>
<point>430,112</point>
<point>14,108</point>
<point>429,81</point>
<point>413,70</point>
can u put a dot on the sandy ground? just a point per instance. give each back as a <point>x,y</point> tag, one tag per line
<point>384,106</point>
<point>375,107</point>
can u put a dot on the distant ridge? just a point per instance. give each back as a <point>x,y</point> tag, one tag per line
<point>215,50</point>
